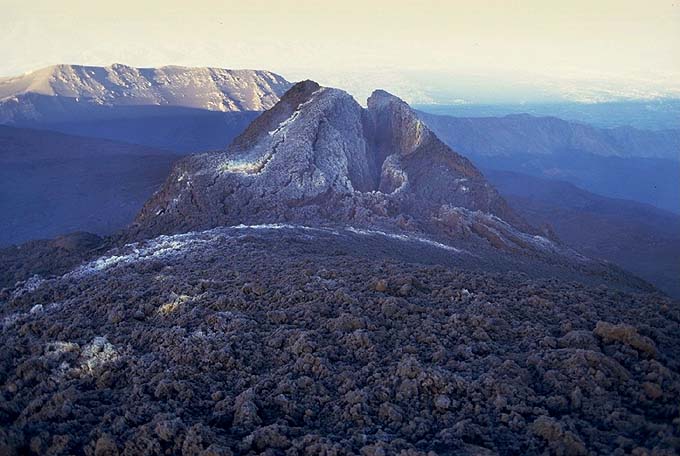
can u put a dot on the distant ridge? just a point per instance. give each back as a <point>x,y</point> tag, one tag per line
<point>638,237</point>
<point>545,135</point>
<point>623,162</point>
<point>174,108</point>
<point>214,89</point>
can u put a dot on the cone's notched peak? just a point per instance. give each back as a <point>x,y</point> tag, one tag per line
<point>304,87</point>
<point>303,90</point>
<point>380,97</point>
<point>299,93</point>
<point>318,156</point>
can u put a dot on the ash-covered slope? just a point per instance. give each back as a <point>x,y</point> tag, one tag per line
<point>51,183</point>
<point>640,238</point>
<point>318,157</point>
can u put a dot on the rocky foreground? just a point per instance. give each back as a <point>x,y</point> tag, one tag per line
<point>289,341</point>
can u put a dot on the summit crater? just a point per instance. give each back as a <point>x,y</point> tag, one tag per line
<point>318,157</point>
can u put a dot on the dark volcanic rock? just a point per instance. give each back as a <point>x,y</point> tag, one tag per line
<point>308,341</point>
<point>48,257</point>
<point>401,309</point>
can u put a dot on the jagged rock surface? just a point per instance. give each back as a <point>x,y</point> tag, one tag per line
<point>307,341</point>
<point>318,157</point>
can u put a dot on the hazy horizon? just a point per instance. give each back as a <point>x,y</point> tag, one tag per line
<point>432,51</point>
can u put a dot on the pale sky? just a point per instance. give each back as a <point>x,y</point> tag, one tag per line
<point>428,49</point>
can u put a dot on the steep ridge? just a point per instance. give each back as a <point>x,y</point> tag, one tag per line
<point>175,108</point>
<point>212,89</point>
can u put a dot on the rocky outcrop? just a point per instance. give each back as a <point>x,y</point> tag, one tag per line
<point>318,157</point>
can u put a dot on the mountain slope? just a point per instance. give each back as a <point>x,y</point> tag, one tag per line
<point>529,135</point>
<point>639,238</point>
<point>338,281</point>
<point>176,108</point>
<point>51,183</point>
<point>317,158</point>
<point>620,163</point>
<point>656,114</point>
<point>274,340</point>
<point>177,129</point>
<point>211,89</point>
